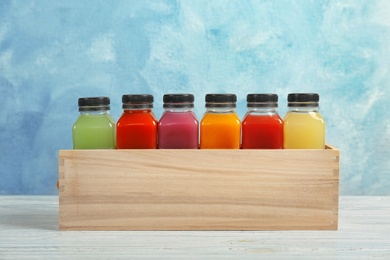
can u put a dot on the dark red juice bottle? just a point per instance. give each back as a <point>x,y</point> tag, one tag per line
<point>262,127</point>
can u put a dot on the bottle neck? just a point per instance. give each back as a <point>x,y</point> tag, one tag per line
<point>94,112</point>
<point>221,110</point>
<point>137,106</point>
<point>303,109</point>
<point>178,109</point>
<point>138,109</point>
<point>262,110</point>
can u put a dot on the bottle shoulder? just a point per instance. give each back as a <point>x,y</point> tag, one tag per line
<point>293,116</point>
<point>250,118</point>
<point>220,118</point>
<point>137,114</point>
<point>184,116</point>
<point>94,120</point>
<point>136,117</point>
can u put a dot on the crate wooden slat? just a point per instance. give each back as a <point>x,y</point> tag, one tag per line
<point>199,189</point>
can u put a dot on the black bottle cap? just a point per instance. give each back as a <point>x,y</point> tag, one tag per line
<point>141,98</point>
<point>137,101</point>
<point>94,103</point>
<point>303,99</point>
<point>178,100</point>
<point>262,100</point>
<point>221,100</point>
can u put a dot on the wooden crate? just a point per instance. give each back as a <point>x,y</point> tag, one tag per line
<point>199,189</point>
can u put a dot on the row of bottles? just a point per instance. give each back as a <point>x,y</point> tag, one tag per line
<point>220,128</point>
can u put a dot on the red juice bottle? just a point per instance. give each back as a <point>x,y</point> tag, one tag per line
<point>137,127</point>
<point>262,127</point>
<point>178,127</point>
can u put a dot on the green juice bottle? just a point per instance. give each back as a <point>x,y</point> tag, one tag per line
<point>95,128</point>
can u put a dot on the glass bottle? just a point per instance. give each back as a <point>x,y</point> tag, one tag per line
<point>94,128</point>
<point>137,126</point>
<point>262,127</point>
<point>178,126</point>
<point>304,127</point>
<point>220,127</point>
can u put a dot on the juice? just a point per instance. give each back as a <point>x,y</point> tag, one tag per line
<point>304,130</point>
<point>220,131</point>
<point>137,126</point>
<point>136,129</point>
<point>262,127</point>
<point>94,131</point>
<point>178,127</point>
<point>178,130</point>
<point>94,128</point>
<point>262,132</point>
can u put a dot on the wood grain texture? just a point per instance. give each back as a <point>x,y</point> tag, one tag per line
<point>29,230</point>
<point>198,189</point>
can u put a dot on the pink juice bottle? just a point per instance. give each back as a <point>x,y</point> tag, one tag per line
<point>178,127</point>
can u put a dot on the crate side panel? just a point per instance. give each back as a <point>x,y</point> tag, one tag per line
<point>198,190</point>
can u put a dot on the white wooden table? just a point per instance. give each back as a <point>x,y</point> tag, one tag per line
<point>29,230</point>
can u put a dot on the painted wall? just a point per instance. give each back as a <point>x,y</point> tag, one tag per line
<point>53,52</point>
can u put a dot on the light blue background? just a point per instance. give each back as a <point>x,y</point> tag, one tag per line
<point>53,52</point>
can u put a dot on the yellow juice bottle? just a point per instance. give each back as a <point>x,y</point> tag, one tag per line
<point>220,127</point>
<point>304,127</point>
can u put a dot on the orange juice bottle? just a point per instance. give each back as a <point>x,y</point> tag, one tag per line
<point>220,127</point>
<point>304,127</point>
